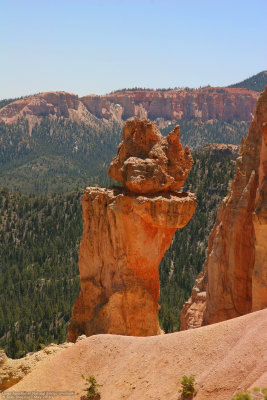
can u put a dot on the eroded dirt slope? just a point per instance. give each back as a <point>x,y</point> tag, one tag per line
<point>224,357</point>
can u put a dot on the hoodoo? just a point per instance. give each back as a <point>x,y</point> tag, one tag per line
<point>126,232</point>
<point>234,280</point>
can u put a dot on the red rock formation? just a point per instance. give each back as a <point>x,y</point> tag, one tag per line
<point>203,104</point>
<point>226,104</point>
<point>50,103</point>
<point>147,162</point>
<point>124,239</point>
<point>193,310</point>
<point>125,236</point>
<point>259,276</point>
<point>234,281</point>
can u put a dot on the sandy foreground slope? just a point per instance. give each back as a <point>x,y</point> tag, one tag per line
<point>224,357</point>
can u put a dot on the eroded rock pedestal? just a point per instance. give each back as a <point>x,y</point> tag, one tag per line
<point>124,239</point>
<point>125,236</point>
<point>234,280</point>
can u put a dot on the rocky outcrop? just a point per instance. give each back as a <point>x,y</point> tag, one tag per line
<point>125,236</point>
<point>53,105</point>
<point>50,103</point>
<point>234,280</point>
<point>12,371</point>
<point>202,104</point>
<point>147,162</point>
<point>193,310</point>
<point>220,151</point>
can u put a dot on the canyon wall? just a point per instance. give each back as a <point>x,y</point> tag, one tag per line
<point>225,104</point>
<point>234,279</point>
<point>126,233</point>
<point>259,276</point>
<point>203,104</point>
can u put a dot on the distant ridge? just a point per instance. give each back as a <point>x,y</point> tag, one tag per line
<point>210,103</point>
<point>256,82</point>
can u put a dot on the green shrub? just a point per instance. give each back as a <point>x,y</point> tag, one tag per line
<point>242,396</point>
<point>188,390</point>
<point>257,394</point>
<point>91,390</point>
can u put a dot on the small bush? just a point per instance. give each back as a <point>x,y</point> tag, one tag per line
<point>242,396</point>
<point>188,390</point>
<point>92,392</point>
<point>257,394</point>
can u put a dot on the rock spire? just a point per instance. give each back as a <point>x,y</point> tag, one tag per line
<point>126,232</point>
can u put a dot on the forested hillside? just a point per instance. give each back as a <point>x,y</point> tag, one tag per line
<point>56,155</point>
<point>256,82</point>
<point>59,155</point>
<point>196,133</point>
<point>5,102</point>
<point>39,277</point>
<point>209,179</point>
<point>39,242</point>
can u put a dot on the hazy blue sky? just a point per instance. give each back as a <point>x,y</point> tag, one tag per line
<point>90,46</point>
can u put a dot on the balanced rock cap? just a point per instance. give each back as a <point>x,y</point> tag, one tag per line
<point>148,162</point>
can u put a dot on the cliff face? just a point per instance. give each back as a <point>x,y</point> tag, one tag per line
<point>203,104</point>
<point>50,103</point>
<point>234,281</point>
<point>172,105</point>
<point>125,235</point>
<point>259,277</point>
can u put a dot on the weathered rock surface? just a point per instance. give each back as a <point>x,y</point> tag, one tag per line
<point>203,104</point>
<point>147,162</point>
<point>259,277</point>
<point>193,310</point>
<point>234,280</point>
<point>54,105</point>
<point>125,235</point>
<point>225,104</point>
<point>49,103</point>
<point>12,371</point>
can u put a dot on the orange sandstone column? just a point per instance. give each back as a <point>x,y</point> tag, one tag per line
<point>126,231</point>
